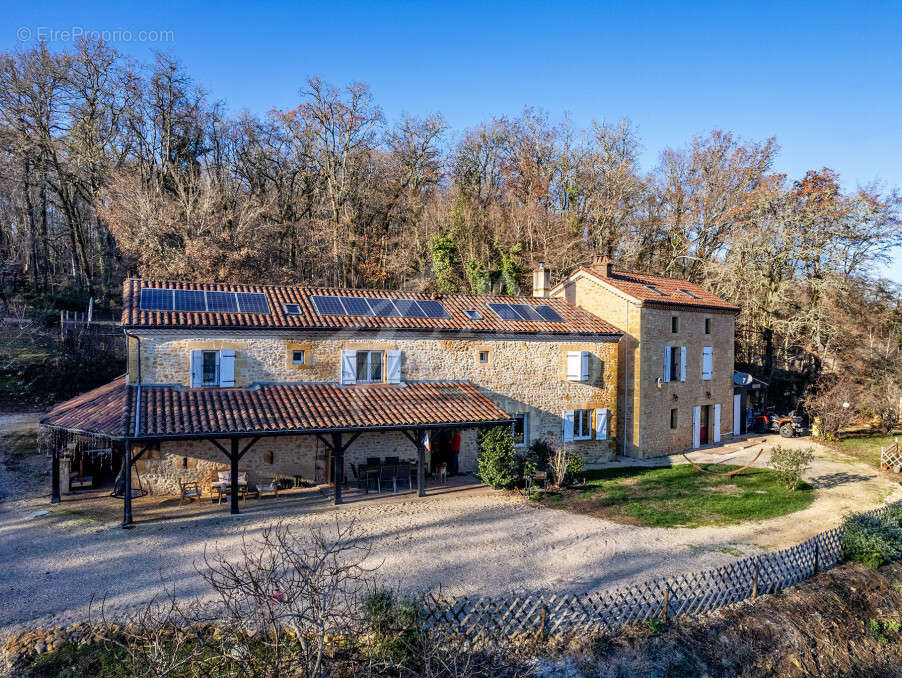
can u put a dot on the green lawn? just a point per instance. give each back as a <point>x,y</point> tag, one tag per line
<point>865,445</point>
<point>680,496</point>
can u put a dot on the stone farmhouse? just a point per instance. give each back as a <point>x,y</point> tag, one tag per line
<point>675,359</point>
<point>316,382</point>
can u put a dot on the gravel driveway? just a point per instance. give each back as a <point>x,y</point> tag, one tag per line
<point>465,540</point>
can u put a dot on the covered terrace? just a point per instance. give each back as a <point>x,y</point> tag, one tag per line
<point>233,420</point>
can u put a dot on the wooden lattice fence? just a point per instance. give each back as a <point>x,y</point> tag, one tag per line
<point>891,458</point>
<point>686,594</point>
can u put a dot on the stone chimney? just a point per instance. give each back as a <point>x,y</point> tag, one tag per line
<point>604,266</point>
<point>541,282</point>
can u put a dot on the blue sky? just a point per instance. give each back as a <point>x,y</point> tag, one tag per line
<point>824,78</point>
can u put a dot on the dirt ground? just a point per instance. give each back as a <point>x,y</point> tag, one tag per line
<point>462,539</point>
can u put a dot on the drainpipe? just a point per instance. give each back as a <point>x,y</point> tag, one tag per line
<point>626,382</point>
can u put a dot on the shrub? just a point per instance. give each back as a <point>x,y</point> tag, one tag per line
<point>574,466</point>
<point>565,466</point>
<point>871,541</point>
<point>790,464</point>
<point>396,623</point>
<point>497,463</point>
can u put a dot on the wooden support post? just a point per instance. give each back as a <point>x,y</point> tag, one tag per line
<point>755,581</point>
<point>543,621</point>
<point>817,555</point>
<point>234,456</point>
<point>338,465</point>
<point>127,484</point>
<point>421,464</point>
<point>55,477</point>
<point>666,602</point>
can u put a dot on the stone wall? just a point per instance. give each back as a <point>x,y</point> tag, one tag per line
<point>521,376</point>
<point>285,456</point>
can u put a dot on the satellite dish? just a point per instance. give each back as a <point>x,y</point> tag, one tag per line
<point>742,378</point>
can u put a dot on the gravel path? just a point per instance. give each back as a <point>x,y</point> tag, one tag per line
<point>466,540</point>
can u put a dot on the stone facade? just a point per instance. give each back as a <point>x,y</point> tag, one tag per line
<point>521,374</point>
<point>645,406</point>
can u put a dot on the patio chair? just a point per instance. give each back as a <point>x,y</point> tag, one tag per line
<point>373,461</point>
<point>272,485</point>
<point>370,473</point>
<point>405,473</point>
<point>387,475</point>
<point>189,491</point>
<point>392,461</point>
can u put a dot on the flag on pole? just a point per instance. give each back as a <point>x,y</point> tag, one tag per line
<point>427,442</point>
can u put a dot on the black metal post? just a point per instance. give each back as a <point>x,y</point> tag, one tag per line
<point>338,466</point>
<point>233,494</point>
<point>421,464</point>
<point>55,477</point>
<point>127,484</point>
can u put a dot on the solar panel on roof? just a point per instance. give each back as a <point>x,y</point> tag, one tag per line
<point>156,300</point>
<point>384,308</point>
<point>504,311</point>
<point>327,305</point>
<point>356,306</point>
<point>252,302</point>
<point>526,312</point>
<point>190,300</point>
<point>549,314</point>
<point>408,308</point>
<point>221,302</point>
<point>432,309</point>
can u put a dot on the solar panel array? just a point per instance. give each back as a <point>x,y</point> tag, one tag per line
<point>379,308</point>
<point>527,312</point>
<point>200,301</point>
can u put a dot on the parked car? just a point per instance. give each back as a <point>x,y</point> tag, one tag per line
<point>787,425</point>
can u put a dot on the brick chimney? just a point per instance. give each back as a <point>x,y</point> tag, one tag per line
<point>604,266</point>
<point>541,281</point>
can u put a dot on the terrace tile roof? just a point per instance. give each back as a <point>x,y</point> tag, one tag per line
<point>638,286</point>
<point>576,320</point>
<point>177,412</point>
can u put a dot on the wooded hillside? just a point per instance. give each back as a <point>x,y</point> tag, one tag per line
<point>111,168</point>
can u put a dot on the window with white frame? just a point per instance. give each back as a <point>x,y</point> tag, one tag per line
<point>518,429</point>
<point>212,368</point>
<point>483,356</point>
<point>577,366</point>
<point>369,366</point>
<point>582,424</point>
<point>297,357</point>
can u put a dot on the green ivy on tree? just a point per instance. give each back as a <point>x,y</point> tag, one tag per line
<point>444,253</point>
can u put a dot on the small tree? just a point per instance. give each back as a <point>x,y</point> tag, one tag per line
<point>790,464</point>
<point>496,462</point>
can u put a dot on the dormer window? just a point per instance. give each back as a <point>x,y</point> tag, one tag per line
<point>472,314</point>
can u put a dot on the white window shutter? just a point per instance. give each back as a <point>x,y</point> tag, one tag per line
<point>197,367</point>
<point>227,368</point>
<point>574,366</point>
<point>696,426</point>
<point>682,363</point>
<point>568,426</point>
<point>716,422</point>
<point>394,367</point>
<point>349,367</point>
<point>667,363</point>
<point>601,424</point>
<point>707,362</point>
<point>584,366</point>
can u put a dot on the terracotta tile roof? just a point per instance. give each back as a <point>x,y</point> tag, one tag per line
<point>174,412</point>
<point>576,320</point>
<point>670,291</point>
<point>103,410</point>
